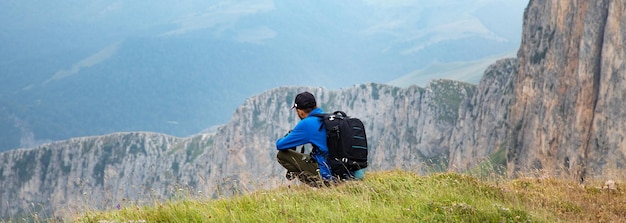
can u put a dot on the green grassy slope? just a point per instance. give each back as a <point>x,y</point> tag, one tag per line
<point>394,196</point>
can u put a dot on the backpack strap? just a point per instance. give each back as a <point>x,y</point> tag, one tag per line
<point>336,114</point>
<point>321,118</point>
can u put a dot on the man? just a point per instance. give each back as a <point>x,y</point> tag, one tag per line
<point>311,169</point>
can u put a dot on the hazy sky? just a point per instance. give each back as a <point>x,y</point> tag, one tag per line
<point>82,67</point>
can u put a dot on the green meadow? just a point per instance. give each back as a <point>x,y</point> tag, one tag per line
<point>393,196</point>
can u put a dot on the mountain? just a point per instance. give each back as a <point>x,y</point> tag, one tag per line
<point>89,68</point>
<point>559,110</point>
<point>567,110</point>
<point>482,128</point>
<point>554,110</point>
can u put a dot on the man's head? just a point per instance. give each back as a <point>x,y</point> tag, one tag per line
<point>304,104</point>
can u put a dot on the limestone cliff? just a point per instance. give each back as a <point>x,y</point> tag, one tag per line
<point>405,126</point>
<point>482,128</point>
<point>567,117</point>
<point>79,172</point>
<point>558,109</point>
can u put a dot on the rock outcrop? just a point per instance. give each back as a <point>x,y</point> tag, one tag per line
<point>567,117</point>
<point>558,111</point>
<point>482,128</point>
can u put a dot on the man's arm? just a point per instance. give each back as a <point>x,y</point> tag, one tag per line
<point>297,136</point>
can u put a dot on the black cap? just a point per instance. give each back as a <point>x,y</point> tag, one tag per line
<point>304,100</point>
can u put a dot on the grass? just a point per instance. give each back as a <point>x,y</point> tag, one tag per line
<point>393,196</point>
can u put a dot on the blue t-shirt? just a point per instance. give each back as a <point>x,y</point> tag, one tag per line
<point>308,131</point>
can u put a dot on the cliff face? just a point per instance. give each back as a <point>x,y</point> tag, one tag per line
<point>62,174</point>
<point>482,127</point>
<point>567,116</point>
<point>558,109</point>
<point>405,126</point>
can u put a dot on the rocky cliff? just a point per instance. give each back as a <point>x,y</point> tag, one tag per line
<point>406,127</point>
<point>89,171</point>
<point>482,127</point>
<point>558,109</point>
<point>567,117</point>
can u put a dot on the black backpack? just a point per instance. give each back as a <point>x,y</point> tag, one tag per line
<point>347,143</point>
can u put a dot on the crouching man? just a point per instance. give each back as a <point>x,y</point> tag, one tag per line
<point>311,169</point>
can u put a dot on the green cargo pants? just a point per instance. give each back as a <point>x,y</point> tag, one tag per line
<point>300,166</point>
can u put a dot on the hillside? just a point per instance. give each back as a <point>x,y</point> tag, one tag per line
<point>389,196</point>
